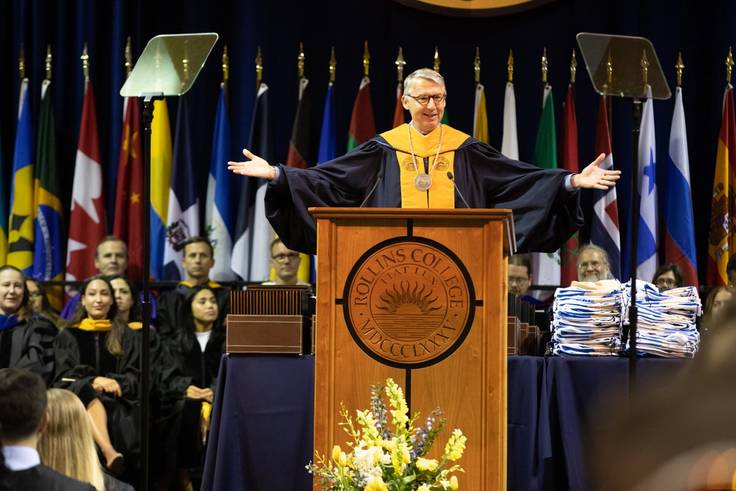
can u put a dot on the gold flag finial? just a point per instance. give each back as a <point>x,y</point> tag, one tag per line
<point>729,65</point>
<point>128,57</point>
<point>259,67</point>
<point>300,61</point>
<point>225,65</point>
<point>48,62</point>
<point>333,65</point>
<point>366,59</point>
<point>644,67</point>
<point>476,65</point>
<point>510,66</point>
<point>436,65</point>
<point>85,62</point>
<point>609,69</point>
<point>679,67</point>
<point>545,66</point>
<point>185,63</point>
<point>573,67</point>
<point>400,63</point>
<point>22,63</point>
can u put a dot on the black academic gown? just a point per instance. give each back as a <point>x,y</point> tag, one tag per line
<point>29,345</point>
<point>545,213</point>
<point>179,424</point>
<point>172,307</point>
<point>80,356</point>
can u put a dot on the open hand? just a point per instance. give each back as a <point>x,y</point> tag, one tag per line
<point>593,177</point>
<point>253,167</point>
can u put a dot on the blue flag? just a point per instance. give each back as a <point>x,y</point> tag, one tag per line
<point>20,235</point>
<point>221,193</point>
<point>327,143</point>
<point>182,219</point>
<point>646,252</point>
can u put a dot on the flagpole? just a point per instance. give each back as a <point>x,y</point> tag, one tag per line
<point>635,210</point>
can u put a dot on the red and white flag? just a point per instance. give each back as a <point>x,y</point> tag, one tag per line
<point>87,218</point>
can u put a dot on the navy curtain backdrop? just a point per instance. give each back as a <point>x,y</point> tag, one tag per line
<point>703,32</point>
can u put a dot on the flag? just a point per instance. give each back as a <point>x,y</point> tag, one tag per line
<point>569,160</point>
<point>160,182</point>
<point>48,257</point>
<point>221,194</point>
<point>399,117</point>
<point>20,235</point>
<point>546,266</point>
<point>182,219</point>
<point>362,125</point>
<point>328,133</point>
<point>510,141</point>
<point>679,236</point>
<point>128,224</point>
<point>480,120</point>
<point>251,258</point>
<point>604,230</point>
<point>87,217</point>
<point>721,237</point>
<point>646,252</point>
<point>301,155</point>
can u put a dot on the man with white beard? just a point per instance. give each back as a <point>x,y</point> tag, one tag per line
<point>593,264</point>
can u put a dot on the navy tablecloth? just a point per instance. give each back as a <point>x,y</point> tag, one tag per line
<point>261,434</point>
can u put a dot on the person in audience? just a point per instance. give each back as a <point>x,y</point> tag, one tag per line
<point>520,274</point>
<point>26,339</point>
<point>667,277</point>
<point>195,352</point>
<point>285,263</point>
<point>97,358</point>
<point>198,261</point>
<point>593,264</point>
<point>111,257</point>
<point>715,302</point>
<point>126,300</point>
<point>38,301</point>
<point>67,445</point>
<point>23,419</point>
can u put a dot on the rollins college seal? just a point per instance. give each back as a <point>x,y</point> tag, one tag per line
<point>409,302</point>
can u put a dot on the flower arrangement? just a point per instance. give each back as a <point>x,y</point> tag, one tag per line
<point>382,460</point>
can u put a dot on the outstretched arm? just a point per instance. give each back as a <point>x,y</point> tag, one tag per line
<point>253,167</point>
<point>593,177</point>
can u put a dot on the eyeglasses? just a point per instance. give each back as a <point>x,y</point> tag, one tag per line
<point>424,99</point>
<point>285,257</point>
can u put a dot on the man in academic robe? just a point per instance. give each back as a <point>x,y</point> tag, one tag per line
<point>425,164</point>
<point>23,418</point>
<point>198,260</point>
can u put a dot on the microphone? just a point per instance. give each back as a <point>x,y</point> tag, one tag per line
<point>451,177</point>
<point>379,178</point>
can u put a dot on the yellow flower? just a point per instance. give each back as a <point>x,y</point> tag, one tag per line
<point>423,487</point>
<point>336,450</point>
<point>426,464</point>
<point>453,483</point>
<point>455,445</point>
<point>375,484</point>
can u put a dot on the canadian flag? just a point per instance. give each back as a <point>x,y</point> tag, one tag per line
<point>87,218</point>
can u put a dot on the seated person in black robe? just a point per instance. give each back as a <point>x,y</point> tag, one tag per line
<point>198,260</point>
<point>26,339</point>
<point>285,264</point>
<point>194,355</point>
<point>97,358</point>
<point>23,419</point>
<point>425,164</point>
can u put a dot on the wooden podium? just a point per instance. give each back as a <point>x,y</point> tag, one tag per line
<point>418,295</point>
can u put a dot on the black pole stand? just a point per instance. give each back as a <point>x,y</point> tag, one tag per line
<point>145,365</point>
<point>635,209</point>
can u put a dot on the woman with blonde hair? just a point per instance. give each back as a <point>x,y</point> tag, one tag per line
<point>67,445</point>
